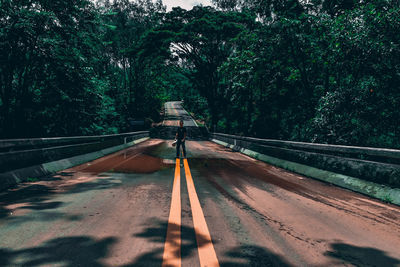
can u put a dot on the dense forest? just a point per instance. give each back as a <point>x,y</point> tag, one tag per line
<point>323,71</point>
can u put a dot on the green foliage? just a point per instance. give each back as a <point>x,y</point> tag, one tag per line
<point>31,180</point>
<point>328,73</point>
<point>200,41</point>
<point>387,198</point>
<point>65,70</point>
<point>321,71</point>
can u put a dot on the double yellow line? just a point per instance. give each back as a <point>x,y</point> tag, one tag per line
<point>172,248</point>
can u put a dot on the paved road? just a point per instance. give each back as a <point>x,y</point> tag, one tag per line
<point>138,207</point>
<point>174,112</point>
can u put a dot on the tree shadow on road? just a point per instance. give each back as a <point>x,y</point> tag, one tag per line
<point>156,233</point>
<point>97,184</point>
<point>34,193</point>
<point>30,196</point>
<point>246,255</point>
<point>68,251</point>
<point>361,256</point>
<point>36,197</point>
<point>4,212</point>
<point>250,255</point>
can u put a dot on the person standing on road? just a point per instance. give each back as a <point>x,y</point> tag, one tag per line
<point>180,139</point>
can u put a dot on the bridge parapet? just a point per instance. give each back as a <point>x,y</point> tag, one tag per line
<point>378,165</point>
<point>22,158</point>
<point>9,145</point>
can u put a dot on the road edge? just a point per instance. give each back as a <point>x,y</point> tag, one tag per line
<point>382,192</point>
<point>195,123</point>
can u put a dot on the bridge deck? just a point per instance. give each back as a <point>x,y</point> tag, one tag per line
<point>175,112</point>
<point>115,211</point>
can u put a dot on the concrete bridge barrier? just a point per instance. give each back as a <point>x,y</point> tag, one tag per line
<point>372,171</point>
<point>21,159</point>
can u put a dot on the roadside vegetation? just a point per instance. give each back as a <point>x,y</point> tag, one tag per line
<point>327,71</point>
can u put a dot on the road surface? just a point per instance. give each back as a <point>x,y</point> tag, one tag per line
<point>138,207</point>
<point>175,112</point>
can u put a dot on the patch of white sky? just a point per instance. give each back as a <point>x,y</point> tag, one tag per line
<point>186,4</point>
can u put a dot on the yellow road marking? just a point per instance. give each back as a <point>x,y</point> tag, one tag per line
<point>204,243</point>
<point>177,114</point>
<point>172,248</point>
<point>171,110</point>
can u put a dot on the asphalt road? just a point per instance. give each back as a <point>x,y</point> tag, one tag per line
<point>175,112</point>
<point>138,207</point>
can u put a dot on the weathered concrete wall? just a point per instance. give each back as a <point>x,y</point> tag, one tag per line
<point>383,155</point>
<point>18,166</point>
<point>9,145</point>
<point>376,190</point>
<point>344,160</point>
<point>31,152</point>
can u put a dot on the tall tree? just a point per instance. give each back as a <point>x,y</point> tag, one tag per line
<point>202,40</point>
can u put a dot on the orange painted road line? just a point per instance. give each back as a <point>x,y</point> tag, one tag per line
<point>172,248</point>
<point>204,243</point>
<point>176,112</point>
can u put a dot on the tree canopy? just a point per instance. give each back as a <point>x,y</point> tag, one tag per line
<point>317,71</point>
